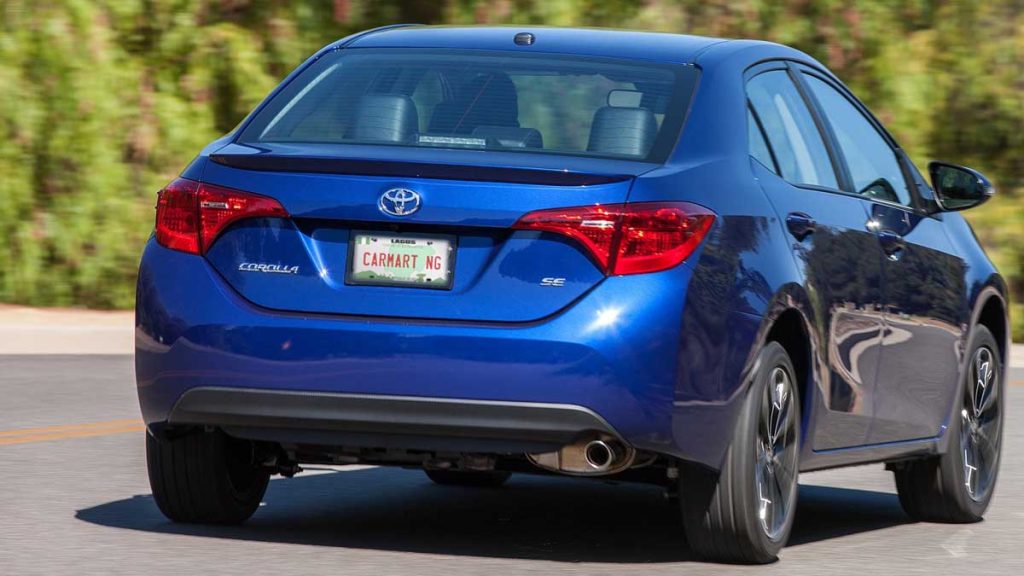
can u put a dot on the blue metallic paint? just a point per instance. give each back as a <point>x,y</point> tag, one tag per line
<point>613,352</point>
<point>581,42</point>
<point>664,357</point>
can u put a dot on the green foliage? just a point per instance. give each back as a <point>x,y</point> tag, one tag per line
<point>104,101</point>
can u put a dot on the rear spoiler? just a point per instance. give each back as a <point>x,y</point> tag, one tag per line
<point>377,167</point>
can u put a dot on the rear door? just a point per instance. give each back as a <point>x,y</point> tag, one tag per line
<point>839,256</point>
<point>923,277</point>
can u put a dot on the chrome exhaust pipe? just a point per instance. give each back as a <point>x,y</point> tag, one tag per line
<point>593,456</point>
<point>599,455</point>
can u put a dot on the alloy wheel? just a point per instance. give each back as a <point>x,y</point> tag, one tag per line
<point>980,422</point>
<point>776,467</point>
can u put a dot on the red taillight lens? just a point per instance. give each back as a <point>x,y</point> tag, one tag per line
<point>221,207</point>
<point>177,216</point>
<point>659,236</point>
<point>591,226</point>
<point>190,215</point>
<point>629,238</point>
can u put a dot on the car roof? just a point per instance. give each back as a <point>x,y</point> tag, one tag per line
<point>655,46</point>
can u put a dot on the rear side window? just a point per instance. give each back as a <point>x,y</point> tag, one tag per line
<point>481,100</point>
<point>758,145</point>
<point>873,165</point>
<point>790,130</point>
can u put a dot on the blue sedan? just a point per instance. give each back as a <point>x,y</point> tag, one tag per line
<point>688,261</point>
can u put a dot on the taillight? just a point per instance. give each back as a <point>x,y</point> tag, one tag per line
<point>190,215</point>
<point>629,238</point>
<point>177,216</point>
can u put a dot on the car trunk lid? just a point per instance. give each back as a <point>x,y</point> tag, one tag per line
<point>304,264</point>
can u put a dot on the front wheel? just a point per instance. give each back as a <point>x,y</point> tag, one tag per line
<point>744,513</point>
<point>956,487</point>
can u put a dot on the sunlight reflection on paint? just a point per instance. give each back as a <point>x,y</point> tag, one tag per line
<point>606,317</point>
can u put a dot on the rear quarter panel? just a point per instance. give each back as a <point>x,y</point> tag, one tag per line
<point>744,275</point>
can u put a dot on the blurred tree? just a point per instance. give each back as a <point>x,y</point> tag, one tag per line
<point>104,101</point>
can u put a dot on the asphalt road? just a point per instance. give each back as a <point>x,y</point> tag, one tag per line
<point>74,500</point>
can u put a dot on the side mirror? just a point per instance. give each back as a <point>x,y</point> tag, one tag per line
<point>959,188</point>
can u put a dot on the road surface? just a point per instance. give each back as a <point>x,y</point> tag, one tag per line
<point>74,499</point>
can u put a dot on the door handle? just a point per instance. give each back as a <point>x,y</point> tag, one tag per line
<point>892,243</point>
<point>800,225</point>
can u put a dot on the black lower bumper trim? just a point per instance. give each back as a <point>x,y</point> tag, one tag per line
<point>386,421</point>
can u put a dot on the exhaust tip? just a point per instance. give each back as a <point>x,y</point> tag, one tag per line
<point>599,455</point>
<point>596,455</point>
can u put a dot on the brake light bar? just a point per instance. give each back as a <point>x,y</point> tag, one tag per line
<point>190,215</point>
<point>628,238</point>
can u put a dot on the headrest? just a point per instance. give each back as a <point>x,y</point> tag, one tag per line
<point>487,99</point>
<point>510,137</point>
<point>623,131</point>
<point>386,118</point>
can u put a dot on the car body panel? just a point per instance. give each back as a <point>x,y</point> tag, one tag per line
<point>577,358</point>
<point>925,322</point>
<point>841,266</point>
<point>522,167</point>
<point>583,42</point>
<point>489,258</point>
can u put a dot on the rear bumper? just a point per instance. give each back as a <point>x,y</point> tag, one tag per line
<point>611,362</point>
<point>332,419</point>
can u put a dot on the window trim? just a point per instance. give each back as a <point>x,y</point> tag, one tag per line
<point>764,137</point>
<point>782,65</point>
<point>842,169</point>
<point>916,203</point>
<point>828,79</point>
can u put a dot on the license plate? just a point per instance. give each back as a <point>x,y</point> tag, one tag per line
<point>412,260</point>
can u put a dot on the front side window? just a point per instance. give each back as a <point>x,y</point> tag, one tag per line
<point>790,129</point>
<point>874,167</point>
<point>538,103</point>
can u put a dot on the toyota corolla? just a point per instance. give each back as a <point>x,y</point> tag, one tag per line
<point>652,257</point>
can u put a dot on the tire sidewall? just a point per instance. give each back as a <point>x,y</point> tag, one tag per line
<point>190,479</point>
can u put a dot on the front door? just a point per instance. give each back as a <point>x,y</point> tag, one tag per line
<point>924,295</point>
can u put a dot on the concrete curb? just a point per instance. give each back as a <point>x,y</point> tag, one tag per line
<point>1017,356</point>
<point>50,331</point>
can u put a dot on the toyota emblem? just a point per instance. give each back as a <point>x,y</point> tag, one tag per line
<point>399,202</point>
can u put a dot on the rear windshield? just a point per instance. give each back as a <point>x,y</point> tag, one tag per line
<point>539,103</point>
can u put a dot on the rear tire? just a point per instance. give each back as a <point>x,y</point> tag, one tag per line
<point>204,477</point>
<point>957,486</point>
<point>743,514</point>
<point>475,478</point>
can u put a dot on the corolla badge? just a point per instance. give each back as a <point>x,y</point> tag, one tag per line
<point>267,268</point>
<point>399,202</point>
